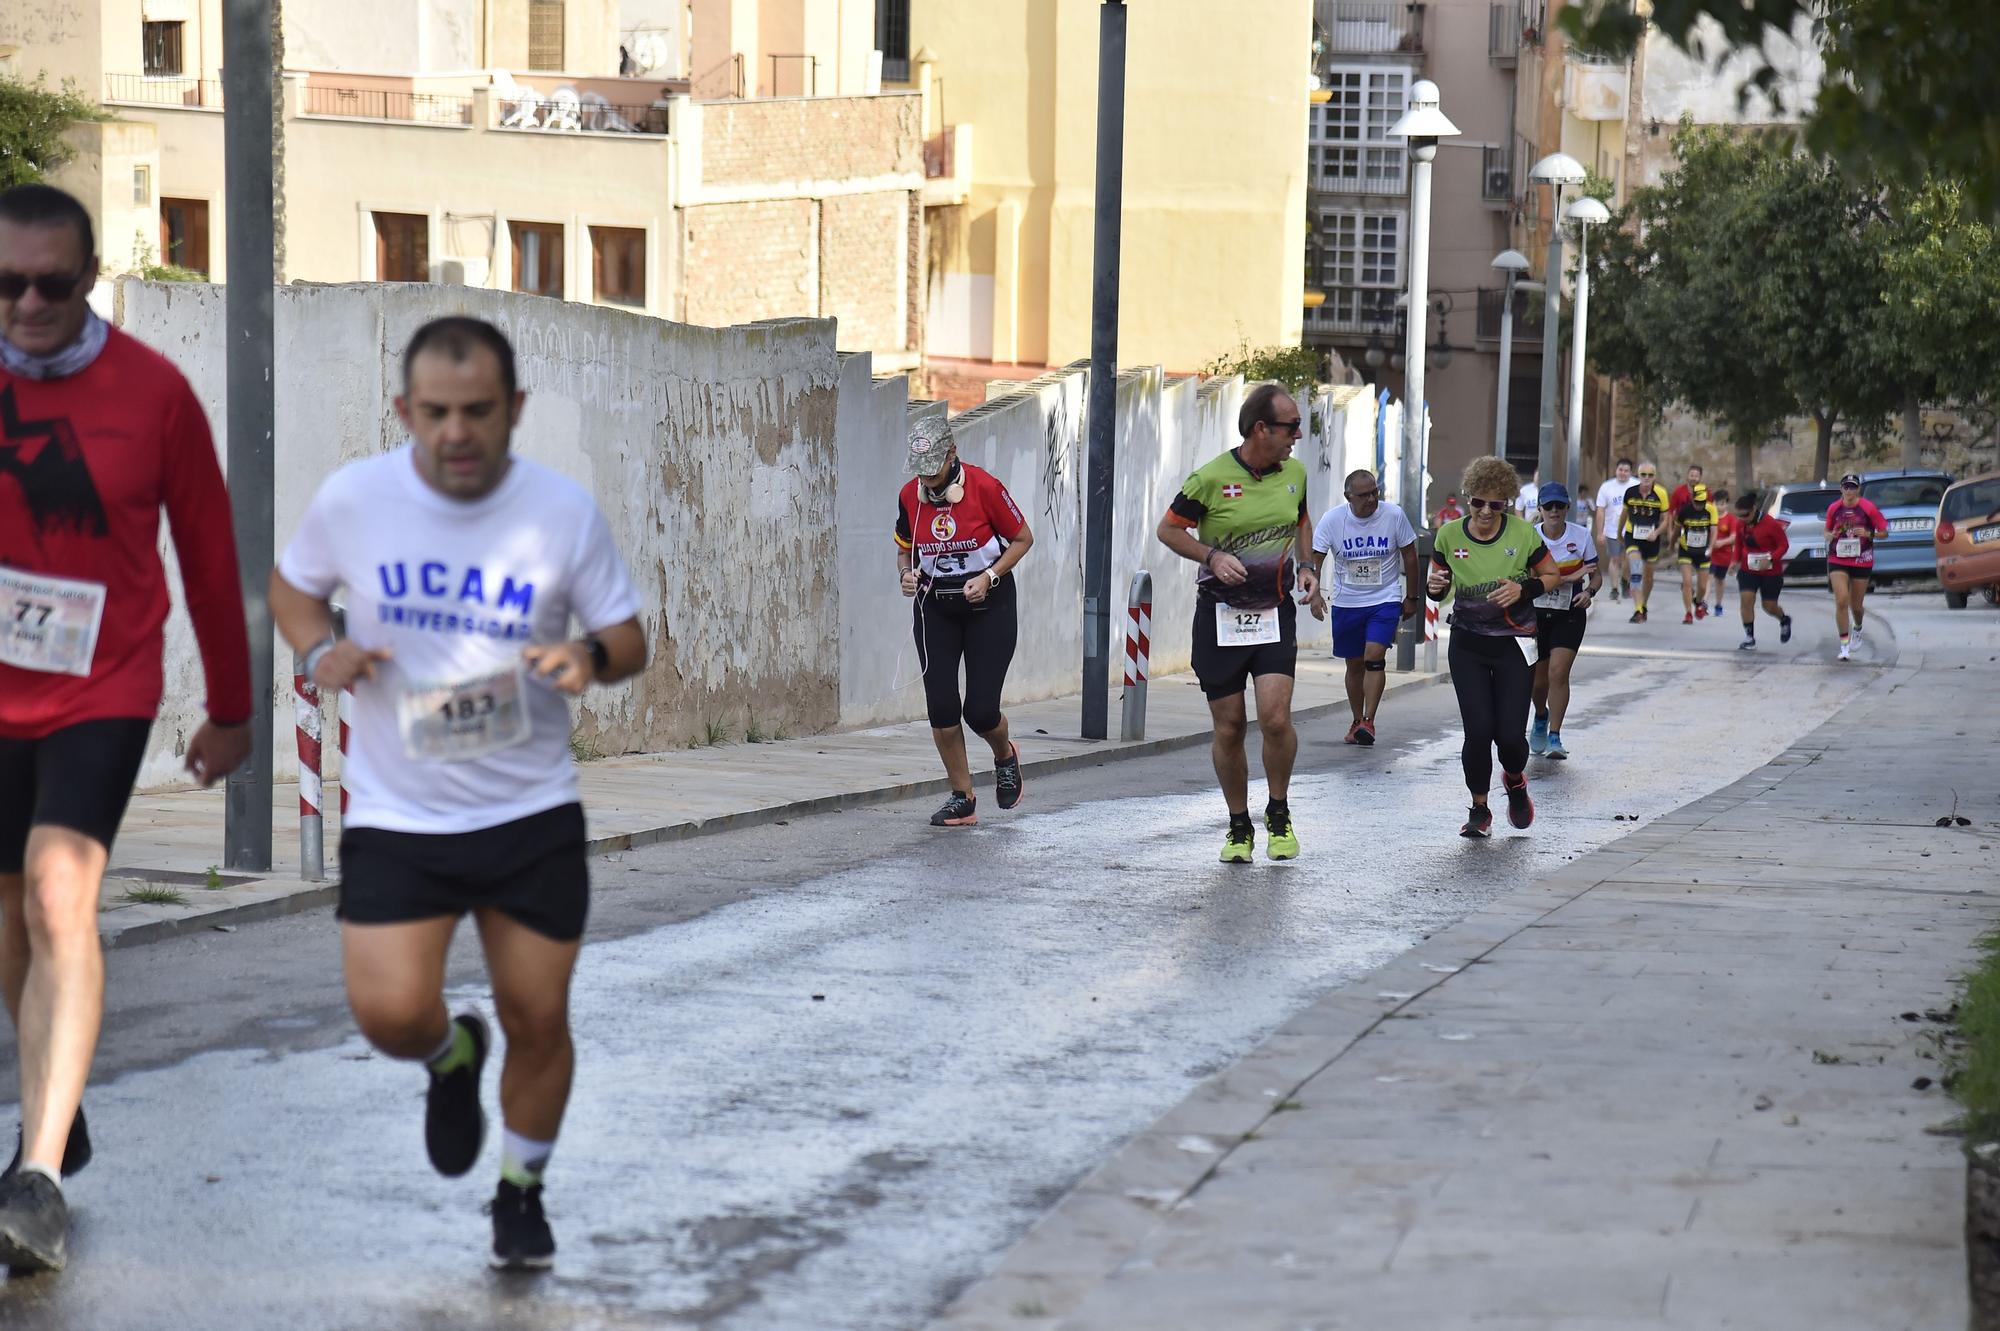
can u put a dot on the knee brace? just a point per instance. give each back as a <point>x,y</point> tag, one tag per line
<point>1375,665</point>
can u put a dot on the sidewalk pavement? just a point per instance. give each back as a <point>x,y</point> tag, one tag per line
<point>171,843</point>
<point>1685,1082</point>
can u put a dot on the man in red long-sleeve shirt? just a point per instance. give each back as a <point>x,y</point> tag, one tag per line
<point>97,433</point>
<point>1764,547</point>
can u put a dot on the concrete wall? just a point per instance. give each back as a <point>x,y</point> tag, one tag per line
<point>711,452</point>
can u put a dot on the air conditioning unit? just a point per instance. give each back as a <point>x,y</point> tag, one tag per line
<point>1499,183</point>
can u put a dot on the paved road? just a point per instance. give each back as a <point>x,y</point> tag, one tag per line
<point>742,1154</point>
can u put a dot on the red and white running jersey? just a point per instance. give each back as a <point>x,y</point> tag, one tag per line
<point>955,541</point>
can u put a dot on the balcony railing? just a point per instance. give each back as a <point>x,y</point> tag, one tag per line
<point>1355,311</point>
<point>1503,34</point>
<point>1362,26</point>
<point>1527,315</point>
<point>1496,174</point>
<point>163,90</point>
<point>1338,169</point>
<point>424,108</point>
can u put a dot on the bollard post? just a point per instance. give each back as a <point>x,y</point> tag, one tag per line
<point>346,707</point>
<point>1138,651</point>
<point>1426,544</point>
<point>312,825</point>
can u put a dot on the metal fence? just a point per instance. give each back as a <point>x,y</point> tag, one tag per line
<point>1527,313</point>
<point>158,90</point>
<point>1371,25</point>
<point>425,108</point>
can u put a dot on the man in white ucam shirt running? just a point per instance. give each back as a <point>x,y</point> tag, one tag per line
<point>1373,551</point>
<point>1609,522</point>
<point>464,567</point>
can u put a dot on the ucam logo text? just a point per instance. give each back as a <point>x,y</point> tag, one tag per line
<point>436,579</point>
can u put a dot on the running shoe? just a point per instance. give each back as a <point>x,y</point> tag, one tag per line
<point>1364,732</point>
<point>1843,651</point>
<point>1241,846</point>
<point>521,1237</point>
<point>76,1151</point>
<point>1352,731</point>
<point>1856,635</point>
<point>1007,779</point>
<point>1687,618</point>
<point>1520,809</point>
<point>1478,823</point>
<point>961,810</point>
<point>1701,610</point>
<point>454,1124</point>
<point>34,1223</point>
<point>1638,617</point>
<point>1715,611</point>
<point>1556,749</point>
<point>1282,841</point>
<point>1538,735</point>
<point>1747,645</point>
<point>1785,629</point>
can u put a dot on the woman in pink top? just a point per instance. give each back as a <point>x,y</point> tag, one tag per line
<point>1852,526</point>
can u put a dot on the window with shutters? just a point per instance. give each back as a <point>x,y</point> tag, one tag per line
<point>538,258</point>
<point>892,39</point>
<point>402,247</point>
<point>545,34</point>
<point>1351,149</point>
<point>184,233</point>
<point>618,264</point>
<point>161,54</point>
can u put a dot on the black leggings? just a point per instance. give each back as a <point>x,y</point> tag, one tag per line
<point>1495,685</point>
<point>950,629</point>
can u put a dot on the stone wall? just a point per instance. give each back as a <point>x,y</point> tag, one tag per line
<point>798,139</point>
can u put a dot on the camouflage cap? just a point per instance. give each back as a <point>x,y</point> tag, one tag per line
<point>930,444</point>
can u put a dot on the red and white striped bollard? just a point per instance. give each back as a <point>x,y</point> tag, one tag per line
<point>1138,653</point>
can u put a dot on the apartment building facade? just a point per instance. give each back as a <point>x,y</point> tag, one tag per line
<point>541,170</point>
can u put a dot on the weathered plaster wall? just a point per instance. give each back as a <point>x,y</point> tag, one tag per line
<point>711,452</point>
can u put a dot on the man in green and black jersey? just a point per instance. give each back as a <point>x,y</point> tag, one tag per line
<point>1242,516</point>
<point>1647,528</point>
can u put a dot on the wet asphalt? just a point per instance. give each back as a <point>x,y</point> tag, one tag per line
<point>829,1070</point>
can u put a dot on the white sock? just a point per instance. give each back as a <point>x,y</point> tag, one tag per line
<point>52,1175</point>
<point>523,1159</point>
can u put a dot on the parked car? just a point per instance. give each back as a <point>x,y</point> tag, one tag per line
<point>1967,540</point>
<point>1909,501</point>
<point>1802,507</point>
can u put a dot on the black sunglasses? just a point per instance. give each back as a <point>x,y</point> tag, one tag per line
<point>1292,426</point>
<point>1497,505</point>
<point>49,286</point>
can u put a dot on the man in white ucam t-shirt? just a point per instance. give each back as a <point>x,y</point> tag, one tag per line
<point>1609,521</point>
<point>1373,551</point>
<point>464,567</point>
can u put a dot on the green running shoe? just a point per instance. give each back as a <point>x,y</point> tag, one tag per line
<point>1241,847</point>
<point>1283,841</point>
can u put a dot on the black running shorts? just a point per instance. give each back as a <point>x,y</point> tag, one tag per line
<point>1770,586</point>
<point>1559,628</point>
<point>1223,671</point>
<point>79,777</point>
<point>1649,551</point>
<point>533,870</point>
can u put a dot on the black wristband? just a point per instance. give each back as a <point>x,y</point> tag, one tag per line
<point>600,655</point>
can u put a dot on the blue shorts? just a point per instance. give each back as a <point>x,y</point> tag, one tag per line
<point>1354,627</point>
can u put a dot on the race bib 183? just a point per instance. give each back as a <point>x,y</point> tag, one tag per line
<point>453,723</point>
<point>49,624</point>
<point>1235,627</point>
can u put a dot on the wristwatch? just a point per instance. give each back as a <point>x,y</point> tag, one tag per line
<point>315,654</point>
<point>600,657</point>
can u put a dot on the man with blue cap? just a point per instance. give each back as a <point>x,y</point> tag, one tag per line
<point>1560,616</point>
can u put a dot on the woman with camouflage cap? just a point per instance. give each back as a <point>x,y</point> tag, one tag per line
<point>958,536</point>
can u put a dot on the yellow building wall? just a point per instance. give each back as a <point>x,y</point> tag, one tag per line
<point>1215,172</point>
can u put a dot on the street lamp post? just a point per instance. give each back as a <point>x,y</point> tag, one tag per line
<point>1556,170</point>
<point>1512,263</point>
<point>1422,125</point>
<point>1585,212</point>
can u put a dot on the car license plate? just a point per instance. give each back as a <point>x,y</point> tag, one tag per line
<point>1981,535</point>
<point>1911,524</point>
<point>1815,552</point>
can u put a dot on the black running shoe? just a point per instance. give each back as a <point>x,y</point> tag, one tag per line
<point>1785,629</point>
<point>1478,823</point>
<point>521,1237</point>
<point>1520,809</point>
<point>34,1223</point>
<point>76,1151</point>
<point>1007,779</point>
<point>961,810</point>
<point>454,1124</point>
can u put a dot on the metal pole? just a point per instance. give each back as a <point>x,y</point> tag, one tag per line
<point>1103,407</point>
<point>1545,454</point>
<point>1422,152</point>
<point>1506,369</point>
<point>247,178</point>
<point>1575,458</point>
<point>312,823</point>
<point>1138,655</point>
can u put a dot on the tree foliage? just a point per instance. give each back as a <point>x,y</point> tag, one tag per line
<point>1297,368</point>
<point>1907,91</point>
<point>32,121</point>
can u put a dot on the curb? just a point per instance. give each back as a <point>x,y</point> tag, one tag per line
<point>155,931</point>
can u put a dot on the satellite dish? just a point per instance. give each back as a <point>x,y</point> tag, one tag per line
<point>651,52</point>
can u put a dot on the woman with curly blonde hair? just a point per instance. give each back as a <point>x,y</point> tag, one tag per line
<point>1491,565</point>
